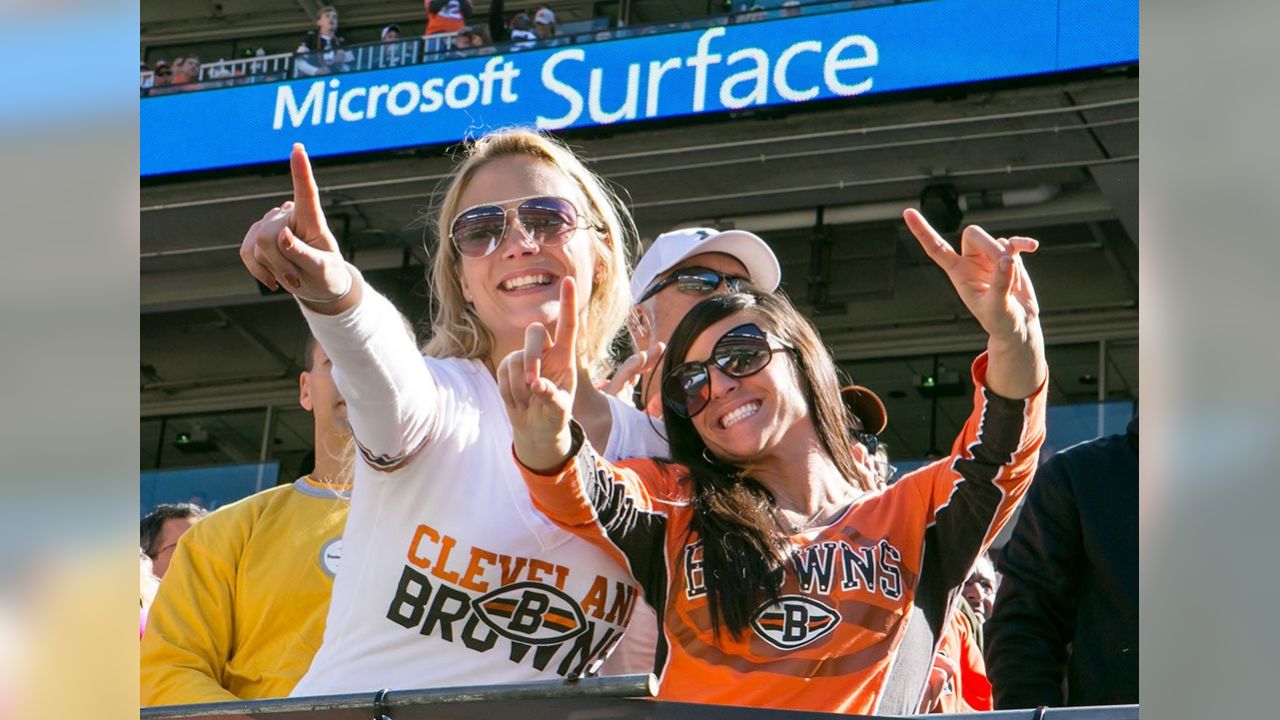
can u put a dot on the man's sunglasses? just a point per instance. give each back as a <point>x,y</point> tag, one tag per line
<point>695,281</point>
<point>547,220</point>
<point>870,441</point>
<point>739,353</point>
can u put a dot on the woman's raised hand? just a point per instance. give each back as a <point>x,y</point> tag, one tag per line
<point>291,246</point>
<point>538,385</point>
<point>988,274</point>
<point>993,283</point>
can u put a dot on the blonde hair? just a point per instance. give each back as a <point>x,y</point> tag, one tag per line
<point>456,331</point>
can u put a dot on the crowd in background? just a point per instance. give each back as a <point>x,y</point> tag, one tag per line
<point>452,30</point>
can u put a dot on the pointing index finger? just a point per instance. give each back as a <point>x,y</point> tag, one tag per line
<point>938,249</point>
<point>306,194</point>
<point>566,344</point>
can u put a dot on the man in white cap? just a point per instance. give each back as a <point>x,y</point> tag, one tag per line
<point>679,269</point>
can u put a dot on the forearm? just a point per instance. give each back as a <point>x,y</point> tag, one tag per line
<point>175,684</point>
<point>188,636</point>
<point>389,392</point>
<point>543,454</point>
<point>1016,365</point>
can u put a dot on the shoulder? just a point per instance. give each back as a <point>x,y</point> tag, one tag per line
<point>1101,459</point>
<point>226,531</point>
<point>638,434</point>
<point>666,481</point>
<point>457,372</point>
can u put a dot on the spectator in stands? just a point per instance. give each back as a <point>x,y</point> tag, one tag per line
<point>736,535</point>
<point>755,14</point>
<point>447,16</point>
<point>186,70</point>
<point>243,609</point>
<point>322,50</point>
<point>958,679</point>
<point>544,23</point>
<point>678,270</point>
<point>520,28</point>
<point>521,213</point>
<point>163,72</point>
<point>148,585</point>
<point>391,53</point>
<point>1068,598</point>
<point>463,43</point>
<point>791,8</point>
<point>160,529</point>
<point>162,75</point>
<point>868,408</point>
<point>959,682</point>
<point>146,77</point>
<point>979,591</point>
<point>480,42</point>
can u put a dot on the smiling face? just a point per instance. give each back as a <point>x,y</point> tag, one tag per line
<point>747,419</point>
<point>519,282</point>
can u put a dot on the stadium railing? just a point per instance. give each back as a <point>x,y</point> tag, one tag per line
<point>417,50</point>
<point>617,698</point>
<point>256,65</point>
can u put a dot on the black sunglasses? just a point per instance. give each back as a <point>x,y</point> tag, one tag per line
<point>694,280</point>
<point>548,221</point>
<point>739,353</point>
<point>869,440</point>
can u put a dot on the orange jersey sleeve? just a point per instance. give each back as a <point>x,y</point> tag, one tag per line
<point>865,599</point>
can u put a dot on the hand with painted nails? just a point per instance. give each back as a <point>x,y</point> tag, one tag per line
<point>538,384</point>
<point>292,247</point>
<point>993,284</point>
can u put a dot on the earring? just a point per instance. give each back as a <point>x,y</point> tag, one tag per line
<point>706,455</point>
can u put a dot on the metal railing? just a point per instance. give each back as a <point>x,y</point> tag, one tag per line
<point>256,65</point>
<point>429,48</point>
<point>628,697</point>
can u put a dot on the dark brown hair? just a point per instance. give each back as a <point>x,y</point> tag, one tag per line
<point>744,552</point>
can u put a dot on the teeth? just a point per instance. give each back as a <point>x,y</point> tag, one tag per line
<point>741,413</point>
<point>525,281</point>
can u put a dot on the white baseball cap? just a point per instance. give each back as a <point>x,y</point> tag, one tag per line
<point>670,249</point>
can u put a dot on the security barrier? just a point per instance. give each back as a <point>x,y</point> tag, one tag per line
<point>614,698</point>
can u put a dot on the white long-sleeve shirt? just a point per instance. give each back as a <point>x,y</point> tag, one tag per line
<point>450,576</point>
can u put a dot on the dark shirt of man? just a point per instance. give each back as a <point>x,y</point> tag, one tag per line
<point>1069,596</point>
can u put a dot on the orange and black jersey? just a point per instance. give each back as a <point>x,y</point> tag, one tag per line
<point>864,600</point>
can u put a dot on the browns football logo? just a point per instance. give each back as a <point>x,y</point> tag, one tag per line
<point>794,621</point>
<point>532,613</point>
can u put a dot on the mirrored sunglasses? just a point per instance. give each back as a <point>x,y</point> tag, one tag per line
<point>548,221</point>
<point>695,281</point>
<point>739,353</point>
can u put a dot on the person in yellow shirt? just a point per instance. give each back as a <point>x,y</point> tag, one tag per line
<point>242,609</point>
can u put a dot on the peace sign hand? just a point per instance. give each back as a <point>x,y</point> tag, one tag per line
<point>988,274</point>
<point>992,282</point>
<point>292,246</point>
<point>538,385</point>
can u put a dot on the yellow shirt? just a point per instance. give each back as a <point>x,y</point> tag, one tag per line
<point>241,610</point>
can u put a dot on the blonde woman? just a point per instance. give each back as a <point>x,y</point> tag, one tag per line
<point>449,576</point>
